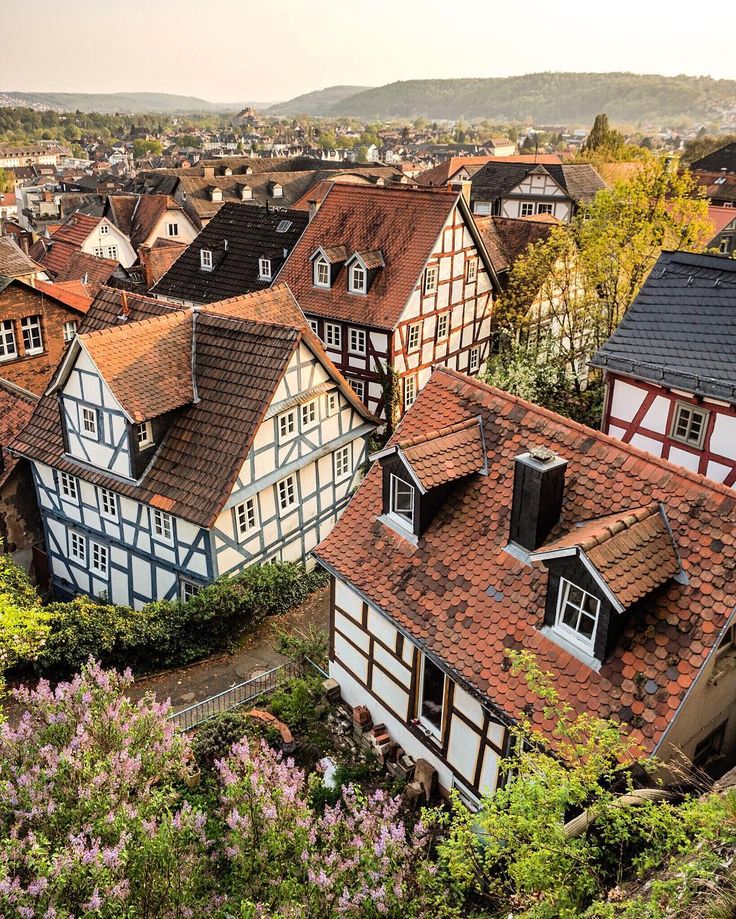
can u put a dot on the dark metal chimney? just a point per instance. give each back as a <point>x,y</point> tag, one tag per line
<point>539,484</point>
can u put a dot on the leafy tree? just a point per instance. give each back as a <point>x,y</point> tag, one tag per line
<point>24,623</point>
<point>602,136</point>
<point>6,182</point>
<point>143,147</point>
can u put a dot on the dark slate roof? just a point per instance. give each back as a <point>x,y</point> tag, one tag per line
<point>494,180</point>
<point>723,158</point>
<point>680,331</point>
<point>111,305</point>
<point>251,233</point>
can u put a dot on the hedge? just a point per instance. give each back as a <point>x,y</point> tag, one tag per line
<point>167,633</point>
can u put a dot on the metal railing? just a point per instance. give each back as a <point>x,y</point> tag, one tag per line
<point>191,717</point>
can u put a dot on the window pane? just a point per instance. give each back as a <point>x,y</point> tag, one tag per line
<point>575,595</point>
<point>433,691</point>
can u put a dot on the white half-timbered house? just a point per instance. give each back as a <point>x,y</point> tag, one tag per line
<point>670,366</point>
<point>489,525</point>
<point>174,449</point>
<point>395,278</point>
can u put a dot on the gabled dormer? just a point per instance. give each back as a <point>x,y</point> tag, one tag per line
<point>418,474</point>
<point>215,193</point>
<point>362,268</point>
<point>246,193</point>
<point>276,189</point>
<point>326,263</point>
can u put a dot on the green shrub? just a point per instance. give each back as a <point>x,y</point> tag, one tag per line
<point>215,738</point>
<point>294,703</point>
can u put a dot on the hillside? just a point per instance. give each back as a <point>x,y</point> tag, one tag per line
<point>548,98</point>
<point>108,103</point>
<point>318,102</point>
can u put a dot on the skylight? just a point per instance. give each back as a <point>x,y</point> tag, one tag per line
<point>283,226</point>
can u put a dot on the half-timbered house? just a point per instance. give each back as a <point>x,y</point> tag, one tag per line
<point>395,278</point>
<point>170,450</point>
<point>670,366</point>
<point>490,525</point>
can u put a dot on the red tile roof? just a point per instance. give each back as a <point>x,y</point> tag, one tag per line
<point>439,457</point>
<point>79,265</point>
<point>466,600</point>
<point>16,408</point>
<point>403,223</point>
<point>76,228</point>
<point>77,299</point>
<point>720,217</point>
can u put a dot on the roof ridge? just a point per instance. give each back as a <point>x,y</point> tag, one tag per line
<point>179,315</point>
<point>681,471</point>
<point>625,521</point>
<point>440,432</point>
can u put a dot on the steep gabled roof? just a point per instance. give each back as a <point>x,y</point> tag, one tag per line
<point>506,238</point>
<point>114,307</point>
<point>466,600</point>
<point>76,228</point>
<point>722,158</point>
<point>80,265</point>
<point>680,331</point>
<point>441,174</point>
<point>497,179</point>
<point>14,263</point>
<point>16,408</point>
<point>137,215</point>
<point>78,300</point>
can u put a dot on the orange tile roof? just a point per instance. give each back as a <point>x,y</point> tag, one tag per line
<point>461,596</point>
<point>443,456</point>
<point>78,299</point>
<point>16,408</point>
<point>441,174</point>
<point>76,228</point>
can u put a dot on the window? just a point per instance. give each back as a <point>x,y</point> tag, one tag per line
<point>7,341</point>
<point>402,500</point>
<point>31,328</point>
<point>104,229</point>
<point>342,463</point>
<point>321,273</point>
<point>99,559</point>
<point>430,279</point>
<point>245,516</point>
<point>545,208</point>
<point>89,422</point>
<point>112,252</point>
<point>331,403</point>
<point>443,326</point>
<point>689,424</point>
<point>357,341</point>
<point>710,747</point>
<point>70,330</point>
<point>205,259</point>
<point>358,388</point>
<point>410,391</point>
<point>287,425</point>
<point>287,493</point>
<point>68,485</point>
<point>474,360</point>
<point>277,191</point>
<point>314,326</point>
<point>99,251</point>
<point>357,279</point>
<point>471,269</point>
<point>144,434</point>
<point>728,642</point>
<point>333,335</point>
<point>309,414</point>
<point>162,525</point>
<point>725,245</point>
<point>108,503</point>
<point>188,590</point>
<point>172,229</point>
<point>577,614</point>
<point>78,548</point>
<point>264,269</point>
<point>413,336</point>
<point>526,209</point>
<point>431,696</point>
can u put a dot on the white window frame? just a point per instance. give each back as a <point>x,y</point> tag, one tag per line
<point>188,590</point>
<point>443,326</point>
<point>471,269</point>
<point>333,334</point>
<point>331,404</point>
<point>99,558</point>
<point>264,269</point>
<point>410,391</point>
<point>431,278</point>
<point>526,209</point>
<point>287,426</point>
<point>70,330</point>
<point>571,634</point>
<point>277,191</point>
<point>68,486</point>
<point>681,408</point>
<point>8,344</point>
<point>31,331</point>
<point>286,494</point>
<point>205,259</point>
<point>162,525</point>
<point>546,207</point>
<point>414,336</point>
<point>77,547</point>
<point>112,252</point>
<point>308,415</point>
<point>358,279</point>
<point>425,723</point>
<point>144,428</point>
<point>104,229</point>
<point>88,417</point>
<point>172,229</point>
<point>404,518</point>
<point>358,387</point>
<point>358,341</point>
<point>341,463</point>
<point>474,360</point>
<point>318,264</point>
<point>314,326</point>
<point>108,504</point>
<point>99,251</point>
<point>246,518</point>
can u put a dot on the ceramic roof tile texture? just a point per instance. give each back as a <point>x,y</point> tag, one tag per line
<point>443,456</point>
<point>681,329</point>
<point>110,305</point>
<point>75,229</point>
<point>14,263</point>
<point>441,174</point>
<point>137,215</point>
<point>506,238</point>
<point>634,552</point>
<point>438,590</point>
<point>79,265</point>
<point>16,408</point>
<point>404,224</point>
<point>76,298</point>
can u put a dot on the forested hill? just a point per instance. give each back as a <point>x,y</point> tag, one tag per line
<point>108,103</point>
<point>318,102</point>
<point>548,98</point>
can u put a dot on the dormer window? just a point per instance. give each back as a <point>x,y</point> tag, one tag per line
<point>144,435</point>
<point>205,259</point>
<point>264,269</point>
<point>246,193</point>
<point>357,279</point>
<point>402,501</point>
<point>321,273</point>
<point>577,615</point>
<point>277,191</point>
<point>89,422</point>
<point>215,193</point>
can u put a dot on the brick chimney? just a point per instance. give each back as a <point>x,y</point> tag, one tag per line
<point>539,485</point>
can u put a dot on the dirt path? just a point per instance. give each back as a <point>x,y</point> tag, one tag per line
<point>254,655</point>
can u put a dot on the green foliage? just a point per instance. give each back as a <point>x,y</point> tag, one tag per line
<point>24,623</point>
<point>6,182</point>
<point>295,702</point>
<point>146,146</point>
<point>214,738</point>
<point>297,644</point>
<point>603,138</point>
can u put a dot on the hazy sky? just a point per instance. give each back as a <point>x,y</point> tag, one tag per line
<point>234,50</point>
